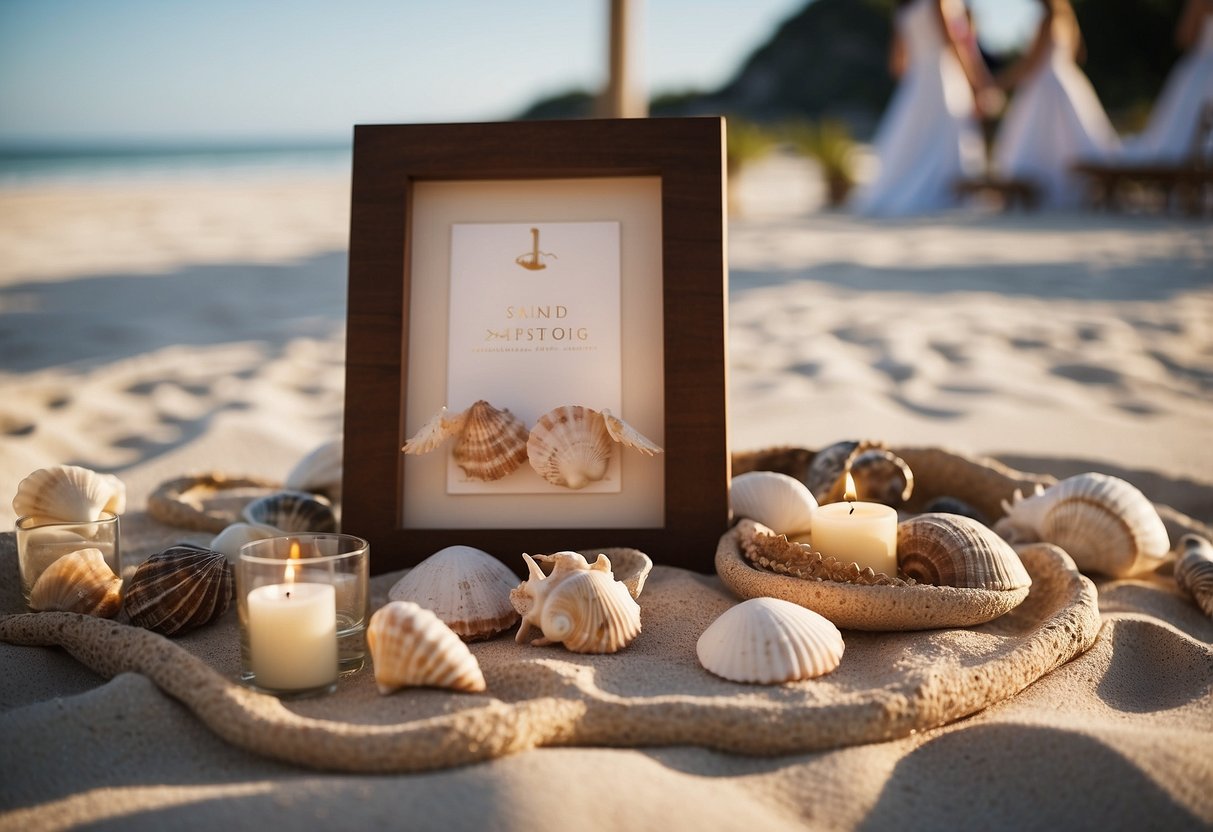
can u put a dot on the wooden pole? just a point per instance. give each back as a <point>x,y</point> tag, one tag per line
<point>624,96</point>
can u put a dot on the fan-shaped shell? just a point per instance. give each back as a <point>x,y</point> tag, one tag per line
<point>468,589</point>
<point>778,501</point>
<point>570,446</point>
<point>1104,523</point>
<point>492,444</point>
<point>179,589</point>
<point>80,581</point>
<point>580,605</point>
<point>230,540</point>
<point>1194,571</point>
<point>68,494</point>
<point>292,511</point>
<point>951,550</point>
<point>769,641</point>
<point>319,472</point>
<point>411,647</point>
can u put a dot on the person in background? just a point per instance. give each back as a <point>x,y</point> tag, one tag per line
<point>1055,119</point>
<point>1171,134</point>
<point>929,136</point>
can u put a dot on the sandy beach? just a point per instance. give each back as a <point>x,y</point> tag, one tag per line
<point>152,330</point>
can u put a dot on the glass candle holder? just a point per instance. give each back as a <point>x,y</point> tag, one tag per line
<point>302,601</point>
<point>41,544</point>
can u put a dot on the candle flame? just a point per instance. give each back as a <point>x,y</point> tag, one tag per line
<point>850,494</point>
<point>290,567</point>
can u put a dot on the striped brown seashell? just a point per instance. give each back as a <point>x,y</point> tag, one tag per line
<point>490,443</point>
<point>179,589</point>
<point>1194,571</point>
<point>80,581</point>
<point>292,511</point>
<point>951,550</point>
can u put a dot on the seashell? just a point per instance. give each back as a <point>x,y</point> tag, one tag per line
<point>319,472</point>
<point>491,443</point>
<point>580,605</point>
<point>205,502</point>
<point>411,647</point>
<point>951,550</point>
<point>80,581</point>
<point>769,641</point>
<point>1194,571</point>
<point>68,494</point>
<point>570,446</point>
<point>880,476</point>
<point>1103,522</point>
<point>778,501</point>
<point>468,589</point>
<point>179,589</point>
<point>292,511</point>
<point>628,436</point>
<point>827,466</point>
<point>230,540</point>
<point>946,504</point>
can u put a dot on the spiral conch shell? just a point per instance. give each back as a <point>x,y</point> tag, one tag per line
<point>782,503</point>
<point>769,641</point>
<point>80,581</point>
<point>468,589</point>
<point>951,550</point>
<point>570,446</point>
<point>1104,523</point>
<point>411,647</point>
<point>580,605</point>
<point>1194,571</point>
<point>68,494</point>
<point>491,443</point>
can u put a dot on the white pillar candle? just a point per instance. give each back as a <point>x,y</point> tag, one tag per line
<point>859,532</point>
<point>292,631</point>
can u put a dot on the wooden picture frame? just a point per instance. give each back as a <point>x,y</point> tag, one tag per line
<point>687,156</point>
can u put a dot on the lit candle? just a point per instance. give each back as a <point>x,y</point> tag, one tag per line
<point>292,630</point>
<point>859,532</point>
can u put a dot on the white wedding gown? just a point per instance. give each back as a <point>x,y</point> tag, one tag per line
<point>929,136</point>
<point>1054,121</point>
<point>1171,131</point>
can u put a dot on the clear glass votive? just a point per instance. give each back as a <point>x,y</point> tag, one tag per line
<point>302,601</point>
<point>41,544</point>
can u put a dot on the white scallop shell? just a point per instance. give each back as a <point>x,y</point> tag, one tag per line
<point>319,472</point>
<point>1194,571</point>
<point>410,647</point>
<point>769,641</point>
<point>236,535</point>
<point>80,581</point>
<point>580,605</point>
<point>68,494</point>
<point>1104,523</point>
<point>776,500</point>
<point>570,446</point>
<point>468,589</point>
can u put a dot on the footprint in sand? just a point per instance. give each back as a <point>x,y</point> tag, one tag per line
<point>1090,374</point>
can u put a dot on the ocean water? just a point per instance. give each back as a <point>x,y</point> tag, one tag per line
<point>33,165</point>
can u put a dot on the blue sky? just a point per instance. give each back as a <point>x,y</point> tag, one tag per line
<point>177,69</point>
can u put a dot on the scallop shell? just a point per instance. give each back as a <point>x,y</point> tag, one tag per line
<point>80,581</point>
<point>292,511</point>
<point>491,443</point>
<point>68,494</point>
<point>570,446</point>
<point>468,589</point>
<point>1103,522</point>
<point>411,647</point>
<point>319,472</point>
<point>230,540</point>
<point>769,641</point>
<point>880,476</point>
<point>580,605</point>
<point>1194,571</point>
<point>778,501</point>
<point>179,589</point>
<point>951,550</point>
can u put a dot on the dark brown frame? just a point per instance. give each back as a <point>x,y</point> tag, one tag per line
<point>689,157</point>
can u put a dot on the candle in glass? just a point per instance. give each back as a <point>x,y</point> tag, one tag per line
<point>292,630</point>
<point>860,532</point>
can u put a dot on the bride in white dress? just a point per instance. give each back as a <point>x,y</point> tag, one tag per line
<point>1171,131</point>
<point>929,136</point>
<point>1055,119</point>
